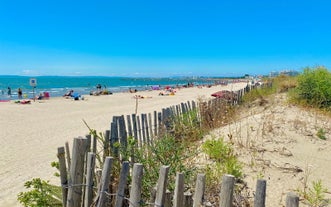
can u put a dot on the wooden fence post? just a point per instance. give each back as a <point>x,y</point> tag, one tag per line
<point>88,145</point>
<point>167,199</point>
<point>63,175</point>
<point>143,127</point>
<point>139,132</point>
<point>226,195</point>
<point>105,179</point>
<point>129,125</point>
<point>134,125</point>
<point>123,134</point>
<point>161,186</point>
<point>150,127</point>
<point>135,193</point>
<point>76,173</point>
<point>188,201</point>
<point>179,191</point>
<point>106,146</point>
<point>292,200</point>
<point>122,184</point>
<point>89,179</point>
<point>155,124</point>
<point>114,138</point>
<point>68,156</point>
<point>260,193</point>
<point>199,190</point>
<point>160,124</point>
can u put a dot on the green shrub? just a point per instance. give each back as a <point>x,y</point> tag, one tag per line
<point>165,151</point>
<point>321,134</point>
<point>225,162</point>
<point>314,87</point>
<point>41,194</point>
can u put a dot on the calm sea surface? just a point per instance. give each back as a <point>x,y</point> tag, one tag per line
<point>59,85</point>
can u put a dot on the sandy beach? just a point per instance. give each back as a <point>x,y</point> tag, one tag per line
<point>31,133</point>
<point>275,141</point>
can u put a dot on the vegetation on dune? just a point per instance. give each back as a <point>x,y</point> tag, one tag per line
<point>314,88</point>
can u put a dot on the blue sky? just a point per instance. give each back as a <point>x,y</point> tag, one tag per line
<point>163,38</point>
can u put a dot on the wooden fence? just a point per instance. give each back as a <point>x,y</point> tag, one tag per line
<point>77,190</point>
<point>78,179</point>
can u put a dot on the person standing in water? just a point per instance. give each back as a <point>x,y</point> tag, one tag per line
<point>9,91</point>
<point>19,93</point>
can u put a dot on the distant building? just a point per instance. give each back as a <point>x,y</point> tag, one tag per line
<point>284,72</point>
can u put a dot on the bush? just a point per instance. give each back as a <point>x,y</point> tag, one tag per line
<point>41,194</point>
<point>314,87</point>
<point>169,151</point>
<point>225,161</point>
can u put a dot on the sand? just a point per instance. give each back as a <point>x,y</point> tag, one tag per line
<point>31,133</point>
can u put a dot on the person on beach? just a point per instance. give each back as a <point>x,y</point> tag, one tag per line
<point>9,91</point>
<point>19,93</point>
<point>99,87</point>
<point>68,94</point>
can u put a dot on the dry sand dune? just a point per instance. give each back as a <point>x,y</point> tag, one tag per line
<point>278,142</point>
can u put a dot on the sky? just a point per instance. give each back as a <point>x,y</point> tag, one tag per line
<point>163,38</point>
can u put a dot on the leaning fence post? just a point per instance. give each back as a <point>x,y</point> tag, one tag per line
<point>105,178</point>
<point>226,195</point>
<point>179,191</point>
<point>260,193</point>
<point>89,179</point>
<point>63,174</point>
<point>161,186</point>
<point>199,190</point>
<point>292,200</point>
<point>122,184</point>
<point>135,193</point>
<point>76,173</point>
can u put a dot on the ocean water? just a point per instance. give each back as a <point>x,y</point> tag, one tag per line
<point>59,85</point>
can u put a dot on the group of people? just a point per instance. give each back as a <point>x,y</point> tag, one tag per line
<point>19,92</point>
<point>20,95</point>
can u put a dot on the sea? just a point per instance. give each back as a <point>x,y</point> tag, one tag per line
<point>57,86</point>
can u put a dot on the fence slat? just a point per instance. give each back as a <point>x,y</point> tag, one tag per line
<point>143,127</point>
<point>150,136</point>
<point>135,193</point>
<point>114,138</point>
<point>260,193</point>
<point>89,179</point>
<point>76,174</point>
<point>292,200</point>
<point>134,124</point>
<point>63,174</point>
<point>155,124</point>
<point>106,145</point>
<point>122,132</point>
<point>161,186</point>
<point>105,179</point>
<point>199,190</point>
<point>179,191</point>
<point>122,184</point>
<point>129,125</point>
<point>188,201</point>
<point>226,195</point>
<point>67,152</point>
<point>139,132</point>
